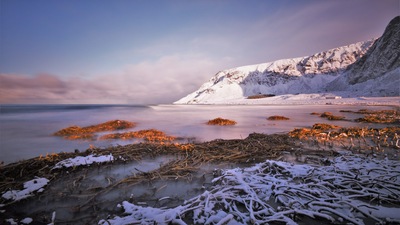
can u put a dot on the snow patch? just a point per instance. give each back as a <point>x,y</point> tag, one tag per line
<point>11,221</point>
<point>31,186</point>
<point>83,160</point>
<point>27,220</point>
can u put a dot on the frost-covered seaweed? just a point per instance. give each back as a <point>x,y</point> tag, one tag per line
<point>351,190</point>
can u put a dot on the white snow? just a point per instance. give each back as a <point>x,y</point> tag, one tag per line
<point>310,99</point>
<point>351,189</point>
<point>304,80</point>
<point>35,185</point>
<point>53,218</point>
<point>11,221</point>
<point>27,220</point>
<point>310,74</point>
<point>83,160</point>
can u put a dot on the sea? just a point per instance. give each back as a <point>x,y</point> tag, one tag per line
<point>26,131</point>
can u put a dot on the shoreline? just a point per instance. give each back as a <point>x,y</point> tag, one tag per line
<point>193,168</point>
<point>308,99</point>
<point>181,121</point>
<point>102,184</point>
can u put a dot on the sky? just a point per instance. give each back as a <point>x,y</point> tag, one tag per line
<point>157,51</point>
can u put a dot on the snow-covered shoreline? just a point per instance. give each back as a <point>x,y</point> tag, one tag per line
<point>340,177</point>
<point>355,189</point>
<point>343,189</point>
<point>349,189</point>
<point>308,99</point>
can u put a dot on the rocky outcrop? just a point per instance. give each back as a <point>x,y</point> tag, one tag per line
<point>381,58</point>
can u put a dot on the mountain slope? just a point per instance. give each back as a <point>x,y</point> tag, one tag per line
<point>287,76</point>
<point>382,57</point>
<point>377,73</point>
<point>369,68</point>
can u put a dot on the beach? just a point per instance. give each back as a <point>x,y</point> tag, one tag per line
<point>143,181</point>
<point>199,112</point>
<point>27,130</point>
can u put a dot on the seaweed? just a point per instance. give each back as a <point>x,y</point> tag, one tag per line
<point>221,122</point>
<point>277,118</point>
<point>330,116</point>
<point>77,132</point>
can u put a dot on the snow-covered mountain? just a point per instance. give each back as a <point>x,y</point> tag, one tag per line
<point>377,73</point>
<point>382,57</point>
<point>349,70</point>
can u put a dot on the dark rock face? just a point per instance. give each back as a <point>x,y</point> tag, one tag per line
<point>382,57</point>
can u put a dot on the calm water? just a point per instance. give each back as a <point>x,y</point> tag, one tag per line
<point>26,130</point>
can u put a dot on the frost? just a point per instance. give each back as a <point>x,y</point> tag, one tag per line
<point>350,190</point>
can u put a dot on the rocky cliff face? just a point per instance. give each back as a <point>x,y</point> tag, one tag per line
<point>381,58</point>
<point>377,73</point>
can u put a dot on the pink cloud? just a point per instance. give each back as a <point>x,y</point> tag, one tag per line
<point>161,81</point>
<point>22,81</point>
<point>46,88</point>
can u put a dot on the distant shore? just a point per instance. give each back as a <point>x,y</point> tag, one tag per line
<point>309,99</point>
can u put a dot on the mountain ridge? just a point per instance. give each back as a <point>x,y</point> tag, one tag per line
<point>340,69</point>
<point>382,57</point>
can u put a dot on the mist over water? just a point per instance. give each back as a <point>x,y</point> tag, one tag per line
<point>26,130</point>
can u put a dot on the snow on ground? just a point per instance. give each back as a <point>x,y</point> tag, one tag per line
<point>348,189</point>
<point>27,220</point>
<point>35,185</point>
<point>12,221</point>
<point>312,99</point>
<point>83,160</point>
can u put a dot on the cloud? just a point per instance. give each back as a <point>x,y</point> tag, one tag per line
<point>174,64</point>
<point>41,80</point>
<point>164,80</point>
<point>161,81</point>
<point>41,88</point>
